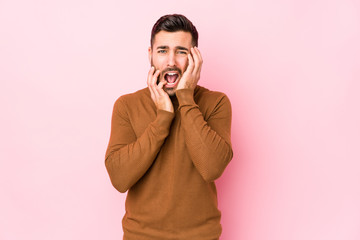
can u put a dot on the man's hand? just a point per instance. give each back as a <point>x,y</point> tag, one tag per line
<point>158,95</point>
<point>191,76</point>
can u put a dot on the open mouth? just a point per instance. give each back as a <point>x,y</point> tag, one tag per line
<point>171,78</point>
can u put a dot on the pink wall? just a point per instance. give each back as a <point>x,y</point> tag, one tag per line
<point>290,68</point>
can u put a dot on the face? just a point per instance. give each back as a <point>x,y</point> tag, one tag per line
<point>169,55</point>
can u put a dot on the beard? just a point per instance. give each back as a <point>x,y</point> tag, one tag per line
<point>169,90</point>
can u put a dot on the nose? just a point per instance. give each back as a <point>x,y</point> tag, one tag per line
<point>171,59</point>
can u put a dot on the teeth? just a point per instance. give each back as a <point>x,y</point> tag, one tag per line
<point>171,74</point>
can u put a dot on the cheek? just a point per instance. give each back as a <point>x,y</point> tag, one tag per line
<point>158,62</point>
<point>183,64</point>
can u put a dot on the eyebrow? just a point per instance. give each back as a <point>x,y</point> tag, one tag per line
<point>177,47</point>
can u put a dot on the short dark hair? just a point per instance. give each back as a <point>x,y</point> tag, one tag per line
<point>174,23</point>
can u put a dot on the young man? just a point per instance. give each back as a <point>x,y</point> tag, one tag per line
<point>169,142</point>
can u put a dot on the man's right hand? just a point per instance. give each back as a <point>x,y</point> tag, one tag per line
<point>158,95</point>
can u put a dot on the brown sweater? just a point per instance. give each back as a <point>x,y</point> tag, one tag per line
<point>168,163</point>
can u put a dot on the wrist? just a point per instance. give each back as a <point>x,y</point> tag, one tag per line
<point>185,96</point>
<point>186,86</point>
<point>167,108</point>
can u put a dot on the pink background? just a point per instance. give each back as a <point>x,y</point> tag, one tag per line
<point>290,68</point>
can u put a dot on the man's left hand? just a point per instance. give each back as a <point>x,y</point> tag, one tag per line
<point>191,75</point>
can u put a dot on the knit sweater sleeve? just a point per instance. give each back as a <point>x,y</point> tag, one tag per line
<point>208,142</point>
<point>127,157</point>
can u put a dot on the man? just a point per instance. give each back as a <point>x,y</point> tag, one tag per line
<point>170,141</point>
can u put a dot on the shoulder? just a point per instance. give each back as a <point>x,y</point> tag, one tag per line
<point>211,102</point>
<point>206,96</point>
<point>134,98</point>
<point>137,105</point>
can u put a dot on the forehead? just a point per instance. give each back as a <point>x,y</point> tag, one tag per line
<point>171,39</point>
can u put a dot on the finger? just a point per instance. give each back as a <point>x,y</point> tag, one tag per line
<point>153,84</point>
<point>190,67</point>
<point>154,78</point>
<point>163,95</point>
<point>196,60</point>
<point>199,54</point>
<point>199,63</point>
<point>152,92</point>
<point>150,75</point>
<point>160,88</point>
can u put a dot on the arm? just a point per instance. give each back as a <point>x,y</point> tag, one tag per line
<point>208,142</point>
<point>128,157</point>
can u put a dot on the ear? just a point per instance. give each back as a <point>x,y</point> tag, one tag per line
<point>149,54</point>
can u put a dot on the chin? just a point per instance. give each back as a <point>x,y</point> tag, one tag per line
<point>170,91</point>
